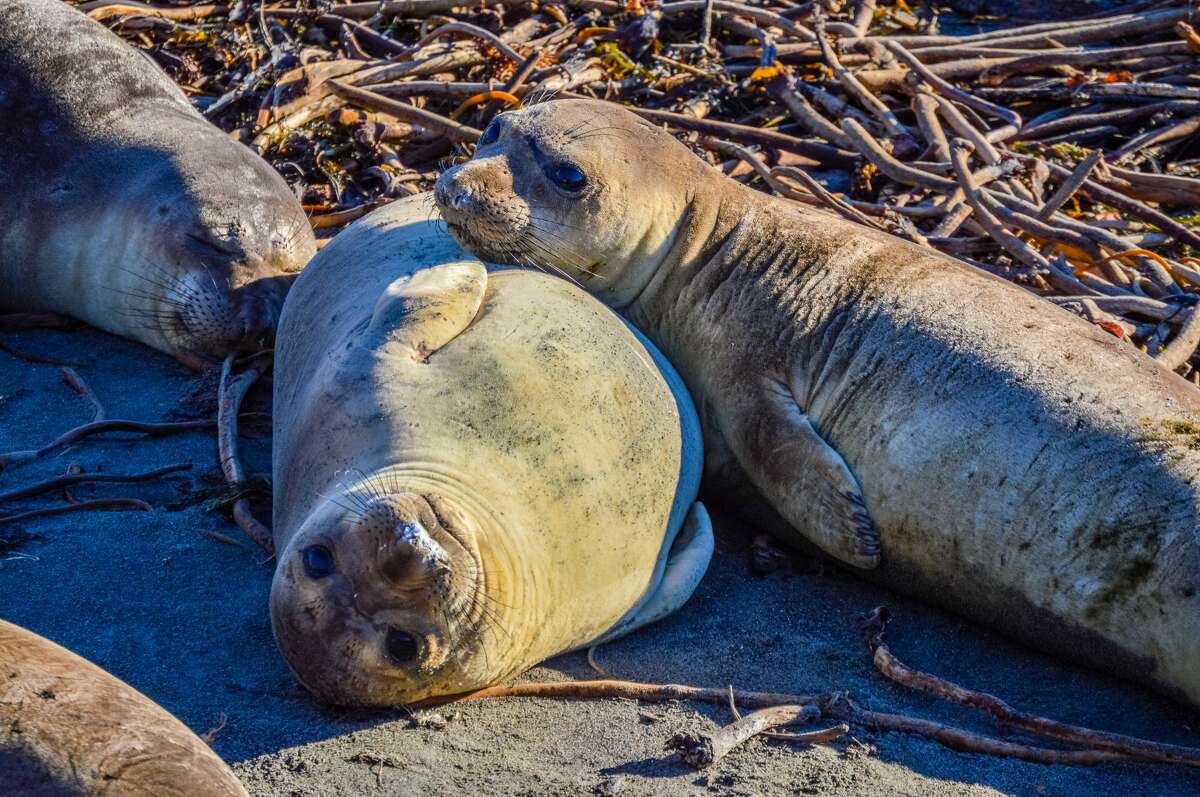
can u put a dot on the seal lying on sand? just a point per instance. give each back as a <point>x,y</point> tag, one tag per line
<point>122,206</point>
<point>473,471</point>
<point>1020,465</point>
<point>69,729</point>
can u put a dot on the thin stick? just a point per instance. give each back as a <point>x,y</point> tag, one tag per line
<point>856,89</point>
<point>751,135</point>
<point>599,668</point>
<point>704,749</point>
<point>633,690</point>
<point>807,737</point>
<point>1181,349</point>
<point>72,378</point>
<point>404,112</point>
<point>1115,743</point>
<point>98,427</point>
<point>19,322</point>
<point>1069,186</point>
<point>78,478</point>
<point>105,504</point>
<point>967,742</point>
<point>229,399</point>
<point>1100,193</point>
<point>959,149</point>
<point>706,24</point>
<point>37,359</point>
<point>807,116</point>
<point>819,191</point>
<point>475,32</point>
<point>948,90</point>
<point>924,107</point>
<point>760,15</point>
<point>900,172</point>
<point>104,9</point>
<point>964,128</point>
<point>864,14</point>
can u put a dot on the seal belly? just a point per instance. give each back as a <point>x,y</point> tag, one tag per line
<point>1024,467</point>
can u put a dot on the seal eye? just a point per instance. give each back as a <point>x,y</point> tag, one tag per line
<point>490,133</point>
<point>568,177</point>
<point>401,646</point>
<point>318,561</point>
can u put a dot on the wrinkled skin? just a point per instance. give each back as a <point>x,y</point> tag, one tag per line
<point>939,429</point>
<point>69,729</point>
<point>123,207</point>
<point>473,470</point>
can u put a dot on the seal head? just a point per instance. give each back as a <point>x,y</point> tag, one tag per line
<point>123,206</point>
<point>564,186</point>
<point>384,603</point>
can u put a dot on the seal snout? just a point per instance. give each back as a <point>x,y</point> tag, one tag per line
<point>453,195</point>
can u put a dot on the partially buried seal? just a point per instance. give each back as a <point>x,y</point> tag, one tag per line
<point>1019,465</point>
<point>69,729</point>
<point>122,206</point>
<point>473,470</point>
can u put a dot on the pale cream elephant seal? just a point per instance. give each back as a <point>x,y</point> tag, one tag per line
<point>121,205</point>
<point>69,729</point>
<point>1019,465</point>
<point>474,470</point>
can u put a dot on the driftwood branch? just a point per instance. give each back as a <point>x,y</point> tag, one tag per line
<point>230,392</point>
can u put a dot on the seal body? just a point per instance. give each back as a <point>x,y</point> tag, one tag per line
<point>69,728</point>
<point>938,428</point>
<point>473,470</point>
<point>123,207</point>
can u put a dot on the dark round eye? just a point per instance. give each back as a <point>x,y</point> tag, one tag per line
<point>491,133</point>
<point>318,561</point>
<point>401,646</point>
<point>568,177</point>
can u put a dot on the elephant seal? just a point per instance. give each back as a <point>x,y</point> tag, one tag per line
<point>69,729</point>
<point>122,206</point>
<point>474,470</point>
<point>1016,464</point>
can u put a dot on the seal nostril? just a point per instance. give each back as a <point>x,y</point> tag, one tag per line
<point>401,646</point>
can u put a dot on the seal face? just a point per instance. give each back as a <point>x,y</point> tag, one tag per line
<point>123,206</point>
<point>370,604</point>
<point>474,471</point>
<point>935,427</point>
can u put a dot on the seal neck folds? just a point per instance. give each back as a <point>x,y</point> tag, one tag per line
<point>386,596</point>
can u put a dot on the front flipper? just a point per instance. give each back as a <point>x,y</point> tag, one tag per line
<point>424,311</point>
<point>803,478</point>
<point>686,564</point>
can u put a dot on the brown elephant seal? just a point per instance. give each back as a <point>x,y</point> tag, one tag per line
<point>122,206</point>
<point>69,729</point>
<point>473,471</point>
<point>1019,465</point>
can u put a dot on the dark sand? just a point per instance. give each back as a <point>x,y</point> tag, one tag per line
<point>184,619</point>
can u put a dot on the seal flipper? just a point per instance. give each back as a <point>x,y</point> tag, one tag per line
<point>424,311</point>
<point>802,477</point>
<point>686,564</point>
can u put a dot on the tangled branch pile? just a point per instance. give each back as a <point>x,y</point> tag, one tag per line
<point>1059,155</point>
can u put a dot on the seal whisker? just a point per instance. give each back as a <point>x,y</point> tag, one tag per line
<point>167,287</point>
<point>545,248</point>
